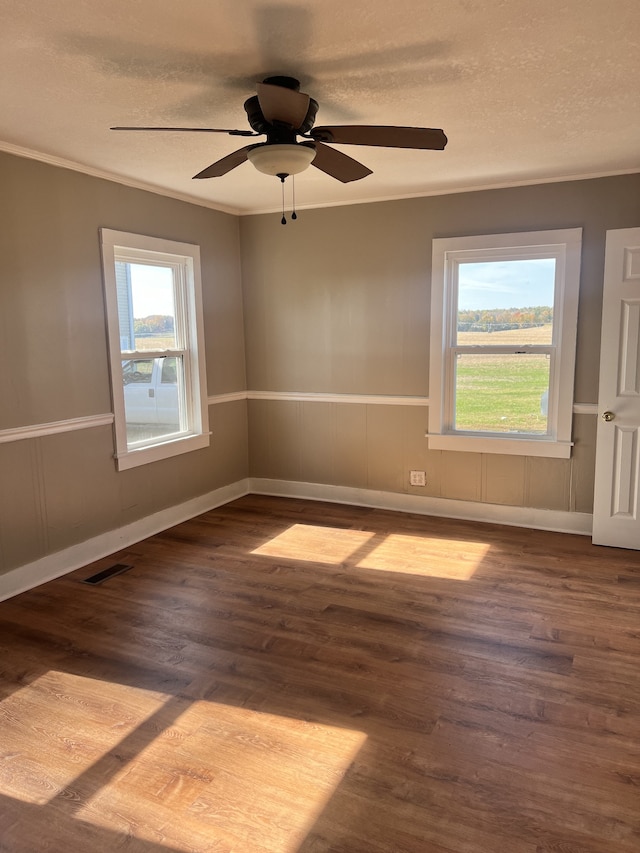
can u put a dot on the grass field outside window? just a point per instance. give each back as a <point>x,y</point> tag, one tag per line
<point>502,392</point>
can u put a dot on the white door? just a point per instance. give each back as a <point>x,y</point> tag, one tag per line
<point>616,511</point>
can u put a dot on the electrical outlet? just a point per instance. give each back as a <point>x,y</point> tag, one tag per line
<point>417,478</point>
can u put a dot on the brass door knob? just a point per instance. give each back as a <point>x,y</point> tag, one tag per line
<point>608,416</point>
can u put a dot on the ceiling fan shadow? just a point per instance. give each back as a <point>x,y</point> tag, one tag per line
<point>281,41</point>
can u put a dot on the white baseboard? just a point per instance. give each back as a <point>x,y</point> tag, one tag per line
<point>514,516</point>
<point>55,565</point>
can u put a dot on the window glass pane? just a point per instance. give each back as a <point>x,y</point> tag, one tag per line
<point>502,393</point>
<point>503,302</point>
<point>146,307</point>
<point>137,370</point>
<point>169,371</point>
<point>153,398</point>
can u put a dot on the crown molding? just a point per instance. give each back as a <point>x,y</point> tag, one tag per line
<point>505,185</point>
<point>62,163</point>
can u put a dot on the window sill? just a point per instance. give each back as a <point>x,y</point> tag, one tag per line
<point>144,455</point>
<point>498,444</point>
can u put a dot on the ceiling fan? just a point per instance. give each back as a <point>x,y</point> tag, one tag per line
<point>282,112</point>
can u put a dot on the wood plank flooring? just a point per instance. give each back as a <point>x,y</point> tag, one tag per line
<point>283,676</point>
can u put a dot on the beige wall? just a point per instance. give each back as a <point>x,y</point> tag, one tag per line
<point>58,490</point>
<point>338,302</point>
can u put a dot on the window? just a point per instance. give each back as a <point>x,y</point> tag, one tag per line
<point>156,346</point>
<point>503,330</point>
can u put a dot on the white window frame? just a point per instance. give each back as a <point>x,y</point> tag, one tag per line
<point>448,253</point>
<point>184,259</point>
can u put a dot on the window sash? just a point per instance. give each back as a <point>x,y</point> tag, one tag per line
<point>184,394</point>
<point>512,415</point>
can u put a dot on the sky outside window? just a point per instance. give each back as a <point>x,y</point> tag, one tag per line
<point>152,290</point>
<point>506,284</point>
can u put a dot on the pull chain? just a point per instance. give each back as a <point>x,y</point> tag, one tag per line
<point>294,215</point>
<point>283,221</point>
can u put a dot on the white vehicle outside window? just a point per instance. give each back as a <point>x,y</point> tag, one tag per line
<point>156,346</point>
<point>503,334</point>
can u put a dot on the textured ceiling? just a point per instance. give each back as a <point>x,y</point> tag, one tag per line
<point>526,91</point>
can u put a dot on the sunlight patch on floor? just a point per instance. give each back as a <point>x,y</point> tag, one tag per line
<point>332,545</point>
<point>167,770</point>
<point>425,556</point>
<point>239,777</point>
<point>75,719</point>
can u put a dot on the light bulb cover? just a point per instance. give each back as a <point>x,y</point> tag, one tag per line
<point>287,159</point>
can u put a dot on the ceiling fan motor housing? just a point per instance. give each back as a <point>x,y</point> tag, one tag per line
<point>278,132</point>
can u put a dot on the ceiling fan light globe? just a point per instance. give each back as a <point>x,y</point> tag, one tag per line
<point>286,159</point>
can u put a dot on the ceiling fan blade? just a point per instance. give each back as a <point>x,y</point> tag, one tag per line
<point>281,104</point>
<point>386,137</point>
<point>226,164</point>
<point>338,165</point>
<point>194,130</point>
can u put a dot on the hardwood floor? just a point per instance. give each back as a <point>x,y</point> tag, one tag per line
<point>283,676</point>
